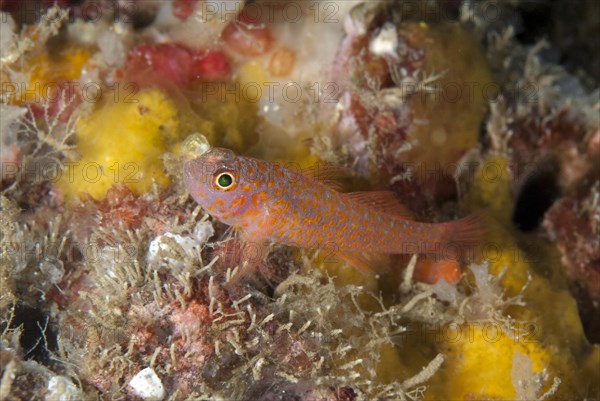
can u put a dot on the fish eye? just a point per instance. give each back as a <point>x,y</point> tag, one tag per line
<point>225,181</point>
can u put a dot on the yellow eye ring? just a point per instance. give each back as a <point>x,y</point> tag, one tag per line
<point>224,181</point>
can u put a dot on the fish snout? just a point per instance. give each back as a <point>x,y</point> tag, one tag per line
<point>196,176</point>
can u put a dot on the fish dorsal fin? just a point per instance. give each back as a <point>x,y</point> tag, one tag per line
<point>384,201</point>
<point>327,174</point>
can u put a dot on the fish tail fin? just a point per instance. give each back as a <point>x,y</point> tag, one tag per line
<point>461,237</point>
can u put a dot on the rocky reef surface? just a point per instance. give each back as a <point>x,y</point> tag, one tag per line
<point>116,285</point>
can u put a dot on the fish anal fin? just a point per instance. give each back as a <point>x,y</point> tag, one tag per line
<point>370,263</point>
<point>326,173</point>
<point>384,201</point>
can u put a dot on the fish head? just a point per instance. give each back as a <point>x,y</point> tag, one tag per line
<point>219,181</point>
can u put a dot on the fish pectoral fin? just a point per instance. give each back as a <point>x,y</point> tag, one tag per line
<point>327,174</point>
<point>370,263</point>
<point>243,249</point>
<point>383,201</point>
<point>246,256</point>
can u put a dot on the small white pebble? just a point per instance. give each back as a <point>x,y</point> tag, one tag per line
<point>188,243</point>
<point>147,385</point>
<point>386,42</point>
<point>159,244</point>
<point>53,269</point>
<point>203,231</point>
<point>62,389</point>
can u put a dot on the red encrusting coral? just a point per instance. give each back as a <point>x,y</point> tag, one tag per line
<point>183,9</point>
<point>173,63</point>
<point>573,223</point>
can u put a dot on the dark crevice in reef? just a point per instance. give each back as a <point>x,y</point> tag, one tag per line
<point>536,19</point>
<point>570,26</point>
<point>537,192</point>
<point>590,319</point>
<point>38,339</point>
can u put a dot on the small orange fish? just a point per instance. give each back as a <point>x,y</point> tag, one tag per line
<point>271,203</point>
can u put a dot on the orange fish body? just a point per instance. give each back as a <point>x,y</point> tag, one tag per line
<point>271,203</point>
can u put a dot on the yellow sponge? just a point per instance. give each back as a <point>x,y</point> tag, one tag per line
<point>121,143</point>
